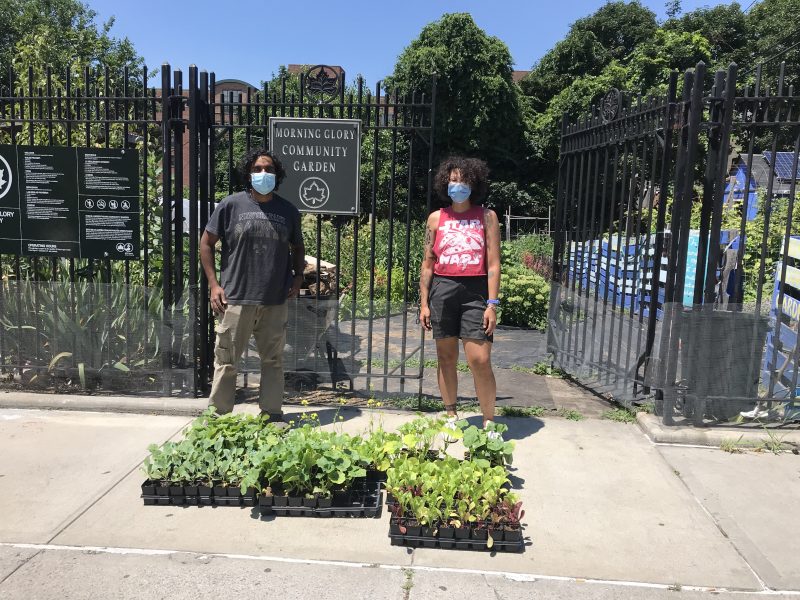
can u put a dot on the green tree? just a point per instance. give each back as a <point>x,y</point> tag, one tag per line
<point>773,35</point>
<point>619,26</point>
<point>59,33</point>
<point>612,32</point>
<point>725,28</point>
<point>523,199</point>
<point>651,62</point>
<point>479,111</point>
<point>579,54</point>
<point>672,8</point>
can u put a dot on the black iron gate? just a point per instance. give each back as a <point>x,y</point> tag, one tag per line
<point>676,255</point>
<point>144,326</point>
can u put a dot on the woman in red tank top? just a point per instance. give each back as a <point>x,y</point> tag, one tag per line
<point>460,280</point>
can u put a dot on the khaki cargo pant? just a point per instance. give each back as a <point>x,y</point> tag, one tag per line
<point>268,325</point>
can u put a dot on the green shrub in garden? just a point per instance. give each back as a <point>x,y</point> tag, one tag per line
<point>524,283</point>
<point>524,298</point>
<point>535,245</point>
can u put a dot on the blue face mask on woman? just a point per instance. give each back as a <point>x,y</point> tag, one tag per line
<point>263,183</point>
<point>458,192</point>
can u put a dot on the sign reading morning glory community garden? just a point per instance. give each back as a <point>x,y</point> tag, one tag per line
<point>73,202</point>
<point>322,158</point>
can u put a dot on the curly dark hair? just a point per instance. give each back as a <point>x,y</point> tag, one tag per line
<point>249,160</point>
<point>474,172</point>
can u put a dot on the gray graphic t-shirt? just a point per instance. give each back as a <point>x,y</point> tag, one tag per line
<point>255,247</point>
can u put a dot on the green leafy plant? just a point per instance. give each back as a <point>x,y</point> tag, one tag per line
<point>732,446</point>
<point>524,298</point>
<point>620,415</point>
<point>570,414</point>
<point>158,464</point>
<point>523,411</point>
<point>547,369</point>
<point>493,449</point>
<point>419,435</point>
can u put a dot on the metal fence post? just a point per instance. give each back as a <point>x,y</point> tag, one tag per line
<point>166,238</point>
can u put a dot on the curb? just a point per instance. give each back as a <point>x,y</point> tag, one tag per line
<point>659,433</point>
<point>184,407</point>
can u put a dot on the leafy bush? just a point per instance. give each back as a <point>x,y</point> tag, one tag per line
<point>754,232</point>
<point>524,298</point>
<point>754,236</point>
<point>535,246</point>
<point>524,285</point>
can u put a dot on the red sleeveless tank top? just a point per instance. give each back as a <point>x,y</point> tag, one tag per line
<point>460,244</point>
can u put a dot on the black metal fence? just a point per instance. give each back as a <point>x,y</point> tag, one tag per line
<point>144,325</point>
<point>677,250</point>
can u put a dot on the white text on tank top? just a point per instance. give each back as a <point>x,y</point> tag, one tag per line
<point>461,242</point>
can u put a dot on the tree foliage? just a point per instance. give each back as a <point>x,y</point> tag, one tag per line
<point>650,64</point>
<point>479,110</point>
<point>619,26</point>
<point>60,33</point>
<point>773,35</point>
<point>723,26</point>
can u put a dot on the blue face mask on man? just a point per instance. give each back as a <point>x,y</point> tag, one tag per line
<point>458,192</point>
<point>263,183</point>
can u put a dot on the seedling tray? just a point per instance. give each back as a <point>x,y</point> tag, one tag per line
<point>363,500</point>
<point>155,494</point>
<point>477,540</point>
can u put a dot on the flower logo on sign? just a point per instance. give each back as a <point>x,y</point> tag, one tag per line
<point>314,192</point>
<point>5,177</point>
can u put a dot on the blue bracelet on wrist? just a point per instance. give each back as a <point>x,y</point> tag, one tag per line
<point>494,301</point>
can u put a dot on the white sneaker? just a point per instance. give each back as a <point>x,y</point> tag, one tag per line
<point>756,413</point>
<point>492,435</point>
<point>450,423</point>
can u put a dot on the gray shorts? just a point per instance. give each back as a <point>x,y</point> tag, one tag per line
<point>457,305</point>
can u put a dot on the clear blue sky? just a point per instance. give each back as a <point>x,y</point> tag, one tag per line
<point>250,40</point>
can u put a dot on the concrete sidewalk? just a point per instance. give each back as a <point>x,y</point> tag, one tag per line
<point>608,515</point>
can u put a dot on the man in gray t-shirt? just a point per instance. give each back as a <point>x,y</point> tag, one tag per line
<point>263,258</point>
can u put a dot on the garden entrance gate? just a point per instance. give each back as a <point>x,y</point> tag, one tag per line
<point>677,251</point>
<point>143,324</point>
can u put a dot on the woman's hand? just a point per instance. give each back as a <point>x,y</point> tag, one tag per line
<point>425,318</point>
<point>489,320</point>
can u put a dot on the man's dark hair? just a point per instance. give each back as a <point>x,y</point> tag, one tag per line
<point>246,167</point>
<point>474,173</point>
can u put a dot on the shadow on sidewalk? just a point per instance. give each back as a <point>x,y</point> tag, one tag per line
<point>326,416</point>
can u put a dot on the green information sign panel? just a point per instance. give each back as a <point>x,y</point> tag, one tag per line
<point>322,158</point>
<point>73,202</point>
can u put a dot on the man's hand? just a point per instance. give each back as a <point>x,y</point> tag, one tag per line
<point>218,300</point>
<point>294,291</point>
<point>425,318</point>
<point>489,320</point>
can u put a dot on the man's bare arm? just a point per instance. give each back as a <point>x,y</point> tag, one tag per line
<point>298,258</point>
<point>217,295</point>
